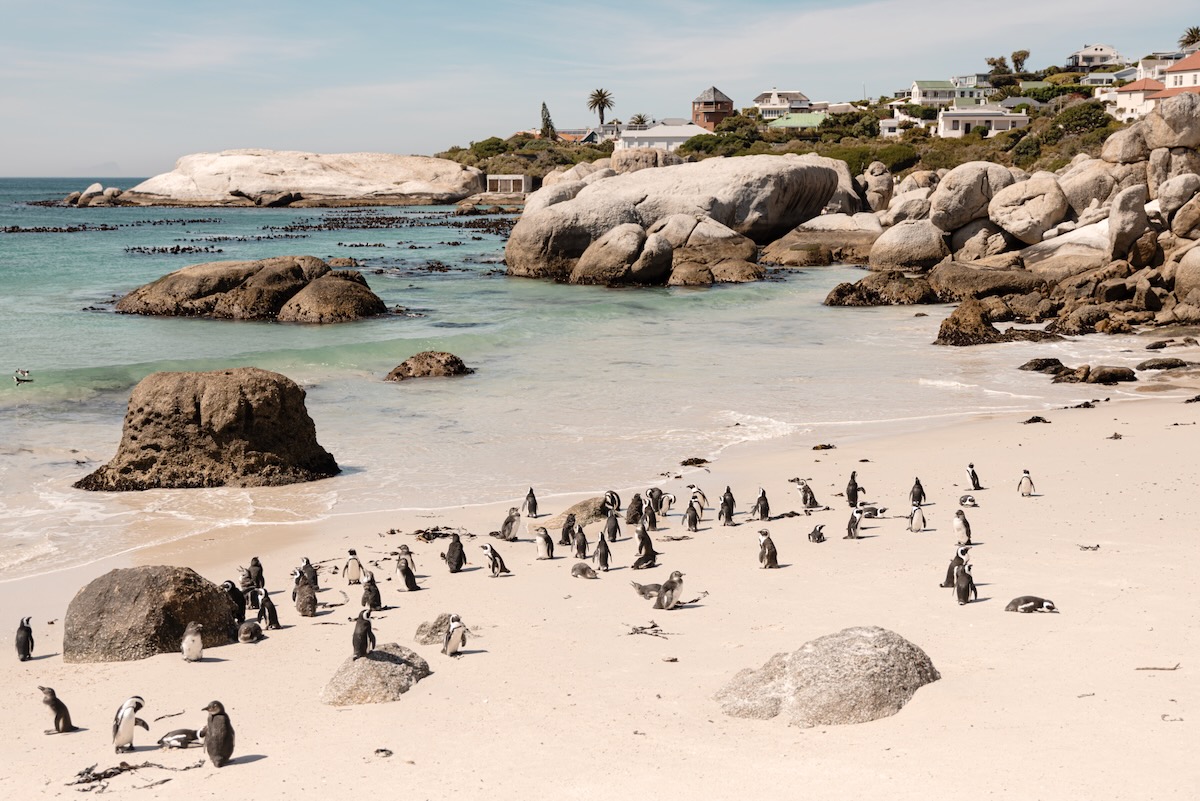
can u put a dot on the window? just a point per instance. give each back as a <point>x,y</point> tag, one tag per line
<point>954,125</point>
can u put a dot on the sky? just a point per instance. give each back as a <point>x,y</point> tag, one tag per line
<point>124,88</point>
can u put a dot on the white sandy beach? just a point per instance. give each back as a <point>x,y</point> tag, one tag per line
<point>556,699</point>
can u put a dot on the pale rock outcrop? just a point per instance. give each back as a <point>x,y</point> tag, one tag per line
<point>1169,163</point>
<point>828,239</point>
<point>954,280</point>
<point>964,193</point>
<point>1187,274</point>
<point>879,184</point>
<point>653,264</point>
<point>383,675</point>
<point>1074,252</point>
<point>1186,222</point>
<point>978,240</point>
<point>1126,146</point>
<point>920,179</point>
<point>1174,123</point>
<point>240,177</point>
<point>610,258</point>
<point>242,427</point>
<point>1175,192</point>
<point>1096,180</point>
<point>1127,221</point>
<point>912,205</point>
<point>1028,209</point>
<point>598,175</point>
<point>910,245</point>
<point>855,675</point>
<point>845,199</point>
<point>551,194</point>
<point>641,158</point>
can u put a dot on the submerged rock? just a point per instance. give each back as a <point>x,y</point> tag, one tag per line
<point>429,363</point>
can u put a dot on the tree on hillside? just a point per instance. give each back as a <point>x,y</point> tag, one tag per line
<point>638,119</point>
<point>600,101</point>
<point>999,65</point>
<point>1019,57</point>
<point>548,131</point>
<point>1190,36</point>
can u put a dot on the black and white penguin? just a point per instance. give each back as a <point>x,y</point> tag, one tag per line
<point>647,591</point>
<point>762,507</point>
<point>125,722</point>
<point>353,569</point>
<point>817,534</point>
<point>973,477</point>
<point>852,526</point>
<point>495,561</point>
<point>545,543</point>
<point>583,570</point>
<point>256,572</point>
<point>363,638</point>
<point>871,512</point>
<point>612,501</point>
<point>246,585</point>
<point>62,718</point>
<point>967,500</point>
<point>304,595</point>
<point>454,557</point>
<point>408,577</point>
<point>404,552</point>
<point>456,637</point>
<point>217,734</point>
<point>670,595</point>
<point>654,499</point>
<point>768,557</point>
<point>568,531</point>
<point>698,495</point>
<point>852,489</point>
<point>508,529</point>
<point>633,512</point>
<point>310,573</point>
<point>24,640</point>
<point>1030,603</point>
<point>647,557</point>
<point>266,612</point>
<point>1025,485</point>
<point>192,644</point>
<point>727,497</point>
<point>962,527</point>
<point>601,555</point>
<point>917,494</point>
<point>529,505</point>
<point>650,518</point>
<point>916,518</point>
<point>612,527</point>
<point>249,632</point>
<point>691,516</point>
<point>960,559</point>
<point>239,600</point>
<point>371,598</point>
<point>579,543</point>
<point>666,503</point>
<point>964,585</point>
<point>179,738</point>
<point>725,513</point>
<point>808,499</point>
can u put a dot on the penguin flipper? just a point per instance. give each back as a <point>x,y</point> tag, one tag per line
<point>142,723</point>
<point>371,639</point>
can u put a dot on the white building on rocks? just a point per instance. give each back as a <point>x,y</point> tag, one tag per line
<point>775,104</point>
<point>665,136</point>
<point>955,122</point>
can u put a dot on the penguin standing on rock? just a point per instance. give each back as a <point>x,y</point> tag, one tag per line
<point>192,644</point>
<point>612,527</point>
<point>762,507</point>
<point>917,493</point>
<point>267,612</point>
<point>768,557</point>
<point>962,527</point>
<point>454,557</point>
<point>960,559</point>
<point>363,638</point>
<point>530,503</point>
<point>218,735</point>
<point>62,718</point>
<point>353,569</point>
<point>973,477</point>
<point>545,543</point>
<point>495,561</point>
<point>24,640</point>
<point>916,518</point>
<point>964,585</point>
<point>1025,485</point>
<point>126,722</point>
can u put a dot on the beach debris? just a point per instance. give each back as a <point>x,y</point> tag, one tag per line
<point>694,461</point>
<point>1086,695</point>
<point>676,538</point>
<point>172,715</point>
<point>650,630</point>
<point>670,659</point>
<point>825,446</point>
<point>1177,664</point>
<point>696,600</point>
<point>1084,405</point>
<point>1193,399</point>
<point>1168,719</point>
<point>1037,418</point>
<point>90,775</point>
<point>1089,547</point>
<point>436,532</point>
<point>1115,436</point>
<point>382,752</point>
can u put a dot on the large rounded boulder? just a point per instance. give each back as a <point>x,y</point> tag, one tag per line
<point>910,245</point>
<point>1029,209</point>
<point>855,675</point>
<point>137,612</point>
<point>243,427</point>
<point>429,363</point>
<point>382,676</point>
<point>964,193</point>
<point>336,297</point>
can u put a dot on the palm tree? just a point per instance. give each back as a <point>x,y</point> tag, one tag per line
<point>1190,36</point>
<point>638,119</point>
<point>600,101</point>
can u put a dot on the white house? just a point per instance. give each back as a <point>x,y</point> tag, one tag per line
<point>954,122</point>
<point>775,104</point>
<point>1182,76</point>
<point>666,137</point>
<point>1089,57</point>
<point>889,128</point>
<point>1133,99</point>
<point>939,94</point>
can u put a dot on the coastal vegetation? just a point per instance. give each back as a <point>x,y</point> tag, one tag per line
<point>600,101</point>
<point>525,154</point>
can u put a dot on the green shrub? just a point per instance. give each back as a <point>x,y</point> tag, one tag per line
<point>492,146</point>
<point>898,157</point>
<point>1082,118</point>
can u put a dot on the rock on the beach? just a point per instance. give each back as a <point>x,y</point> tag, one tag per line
<point>953,280</point>
<point>433,632</point>
<point>137,612</point>
<point>855,675</point>
<point>1029,209</point>
<point>243,427</point>
<point>910,245</point>
<point>381,676</point>
<point>286,288</point>
<point>250,176</point>
<point>964,194</point>
<point>1162,363</point>
<point>429,363</point>
<point>586,512</point>
<point>1110,375</point>
<point>829,238</point>
<point>980,239</point>
<point>891,288</point>
<point>1128,220</point>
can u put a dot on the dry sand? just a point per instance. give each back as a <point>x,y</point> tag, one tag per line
<point>556,699</point>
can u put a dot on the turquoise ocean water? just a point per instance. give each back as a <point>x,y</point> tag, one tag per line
<point>577,389</point>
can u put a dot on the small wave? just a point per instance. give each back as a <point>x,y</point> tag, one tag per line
<point>944,383</point>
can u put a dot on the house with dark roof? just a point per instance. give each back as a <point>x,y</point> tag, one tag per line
<point>711,107</point>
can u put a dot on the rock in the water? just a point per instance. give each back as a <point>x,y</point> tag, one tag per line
<point>429,363</point>
<point>856,675</point>
<point>1110,375</point>
<point>250,176</point>
<point>910,245</point>
<point>137,612</point>
<point>954,280</point>
<point>969,324</point>
<point>892,288</point>
<point>287,288</point>
<point>243,427</point>
<point>381,676</point>
<point>1043,365</point>
<point>1163,363</point>
<point>964,194</point>
<point>1029,209</point>
<point>609,260</point>
<point>433,632</point>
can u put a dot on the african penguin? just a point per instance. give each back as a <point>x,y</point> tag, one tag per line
<point>192,644</point>
<point>768,557</point>
<point>647,591</point>
<point>218,734</point>
<point>1025,485</point>
<point>62,718</point>
<point>601,555</point>
<point>960,559</point>
<point>363,639</point>
<point>267,612</point>
<point>408,578</point>
<point>249,632</point>
<point>973,477</point>
<point>964,585</point>
<point>962,527</point>
<point>568,530</point>
<point>454,556</point>
<point>583,570</point>
<point>545,543</point>
<point>633,512</point>
<point>852,489</point>
<point>530,503</point>
<point>1030,603</point>
<point>353,569</point>
<point>853,524</point>
<point>612,527</point>
<point>917,494</point>
<point>691,517</point>
<point>817,534</point>
<point>916,518</point>
<point>670,595</point>
<point>24,640</point>
<point>179,738</point>
<point>125,722</point>
<point>239,601</point>
<point>456,637</point>
<point>762,507</point>
<point>495,561</point>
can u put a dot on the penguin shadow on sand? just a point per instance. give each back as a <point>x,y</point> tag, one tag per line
<point>245,759</point>
<point>42,656</point>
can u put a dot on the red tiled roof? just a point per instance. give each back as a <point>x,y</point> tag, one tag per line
<point>1174,90</point>
<point>1189,64</point>
<point>1144,85</point>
